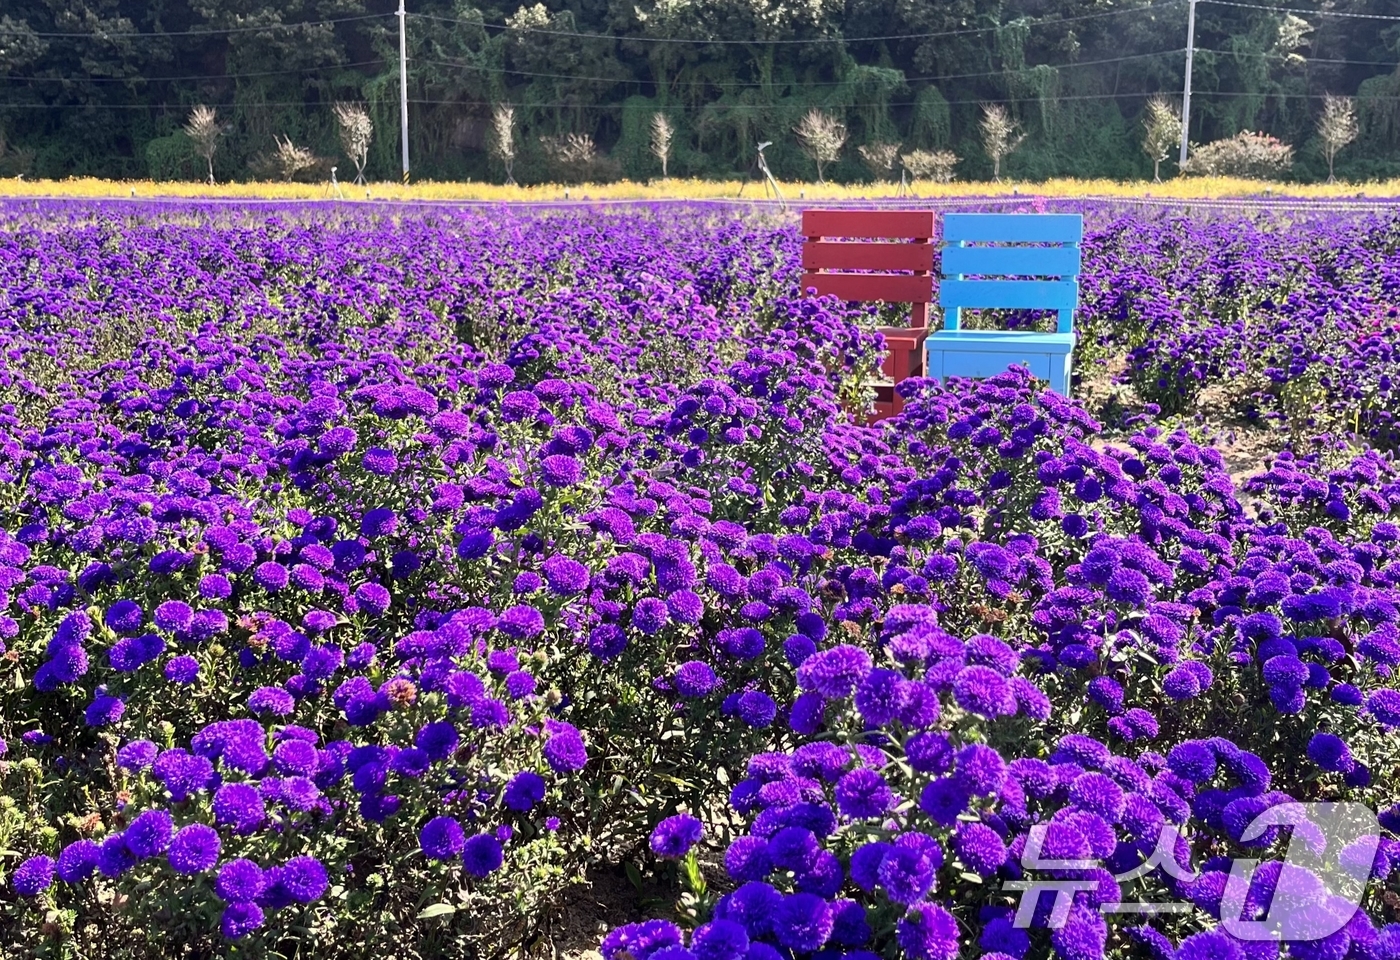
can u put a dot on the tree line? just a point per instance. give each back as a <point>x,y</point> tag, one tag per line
<point>109,87</point>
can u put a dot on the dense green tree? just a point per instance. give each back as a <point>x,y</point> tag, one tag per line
<point>104,87</point>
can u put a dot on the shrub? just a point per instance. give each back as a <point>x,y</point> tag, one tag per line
<point>1253,156</point>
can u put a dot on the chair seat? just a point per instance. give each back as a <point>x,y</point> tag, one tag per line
<point>1000,341</point>
<point>985,353</point>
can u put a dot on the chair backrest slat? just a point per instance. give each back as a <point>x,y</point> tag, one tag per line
<point>1011,261</point>
<point>819,255</point>
<point>1056,255</point>
<point>888,287</point>
<point>1010,294</point>
<point>868,224</point>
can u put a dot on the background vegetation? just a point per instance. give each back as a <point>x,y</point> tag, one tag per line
<point>105,87</point>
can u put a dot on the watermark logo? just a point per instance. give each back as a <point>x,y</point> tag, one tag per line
<point>1310,894</point>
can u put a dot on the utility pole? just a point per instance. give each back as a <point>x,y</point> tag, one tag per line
<point>1185,95</point>
<point>403,84</point>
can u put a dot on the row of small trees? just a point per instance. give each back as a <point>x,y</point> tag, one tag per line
<point>822,137</point>
<point>1247,154</point>
<point>288,159</point>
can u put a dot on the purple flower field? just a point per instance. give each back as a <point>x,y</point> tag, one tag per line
<point>378,577</point>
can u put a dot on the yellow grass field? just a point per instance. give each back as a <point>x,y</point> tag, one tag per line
<point>1179,188</point>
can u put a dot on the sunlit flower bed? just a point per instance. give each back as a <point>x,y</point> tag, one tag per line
<point>375,580</point>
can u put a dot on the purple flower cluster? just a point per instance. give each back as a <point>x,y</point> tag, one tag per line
<point>407,578</point>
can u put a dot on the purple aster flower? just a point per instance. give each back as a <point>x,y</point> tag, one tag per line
<point>337,441</point>
<point>747,859</point>
<point>983,691</point>
<point>1129,587</point>
<point>980,848</point>
<point>304,879</point>
<point>240,919</point>
<point>521,622</point>
<point>755,708</point>
<point>1384,705</point>
<point>673,837</point>
<point>113,857</point>
<point>802,922</point>
<point>77,861</point>
<point>240,881</point>
<point>273,700</point>
<point>906,874</point>
<point>438,740</point>
<point>649,616</point>
<point>1331,753</point>
<point>720,940</point>
<point>524,791</point>
<point>520,684</point>
<point>379,522</point>
<point>945,799</point>
<point>33,876</point>
<point>834,673</point>
<point>271,576</point>
<point>1193,760</point>
<point>564,749</point>
<point>136,755</point>
<point>482,855</point>
<point>124,616</point>
<point>565,576</point>
<point>863,793</point>
<point>173,615</point>
<point>240,806</point>
<point>1208,945</point>
<point>182,669</point>
<point>928,932</point>
<point>149,833</point>
<point>371,599</point>
<point>104,710</point>
<point>441,838</point>
<point>379,461</point>
<point>560,470</point>
<point>640,941</point>
<point>194,849</point>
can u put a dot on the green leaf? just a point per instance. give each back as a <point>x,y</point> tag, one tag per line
<point>633,874</point>
<point>436,910</point>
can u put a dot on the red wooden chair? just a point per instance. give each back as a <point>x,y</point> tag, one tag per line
<point>893,249</point>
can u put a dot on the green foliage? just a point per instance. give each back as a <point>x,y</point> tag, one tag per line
<point>171,158</point>
<point>633,150</point>
<point>932,125</point>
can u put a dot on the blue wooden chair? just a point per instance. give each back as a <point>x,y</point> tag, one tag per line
<point>975,247</point>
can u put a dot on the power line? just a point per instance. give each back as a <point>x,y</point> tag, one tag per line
<point>816,40</point>
<point>102,35</point>
<point>159,106</point>
<point>201,76</point>
<point>1306,13</point>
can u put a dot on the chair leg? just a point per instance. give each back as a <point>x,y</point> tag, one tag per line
<point>1059,373</point>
